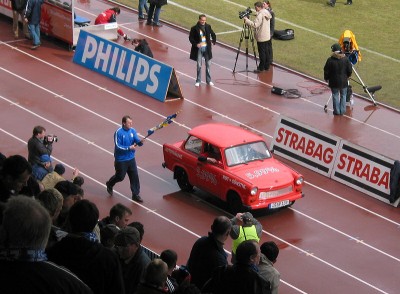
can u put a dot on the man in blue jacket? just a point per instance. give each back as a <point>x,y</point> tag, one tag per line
<point>32,17</point>
<point>126,140</point>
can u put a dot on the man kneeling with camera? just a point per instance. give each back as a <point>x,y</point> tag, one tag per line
<point>40,144</point>
<point>261,25</point>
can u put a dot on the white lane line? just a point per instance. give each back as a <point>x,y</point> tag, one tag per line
<point>72,133</point>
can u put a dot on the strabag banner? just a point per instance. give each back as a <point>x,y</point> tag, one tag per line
<point>342,161</point>
<point>306,146</point>
<point>125,66</point>
<point>363,170</point>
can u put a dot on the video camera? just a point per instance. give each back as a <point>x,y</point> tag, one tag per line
<point>245,13</point>
<point>49,139</point>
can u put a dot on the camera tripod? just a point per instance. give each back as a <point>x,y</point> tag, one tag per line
<point>247,34</point>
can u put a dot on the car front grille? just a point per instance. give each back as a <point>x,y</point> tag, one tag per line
<point>275,193</point>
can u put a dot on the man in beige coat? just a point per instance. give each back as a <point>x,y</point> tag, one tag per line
<point>261,25</point>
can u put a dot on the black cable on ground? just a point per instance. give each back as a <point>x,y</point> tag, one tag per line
<point>292,93</point>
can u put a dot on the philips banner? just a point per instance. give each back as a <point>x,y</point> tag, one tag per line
<point>126,66</point>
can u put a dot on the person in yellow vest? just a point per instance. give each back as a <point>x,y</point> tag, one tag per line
<point>248,229</point>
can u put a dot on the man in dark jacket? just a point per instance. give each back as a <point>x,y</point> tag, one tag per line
<point>242,277</point>
<point>201,36</point>
<point>208,252</point>
<point>337,71</point>
<point>132,256</point>
<point>32,17</point>
<point>38,145</point>
<point>18,7</point>
<point>81,252</point>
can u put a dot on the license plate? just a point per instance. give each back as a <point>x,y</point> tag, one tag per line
<point>279,204</point>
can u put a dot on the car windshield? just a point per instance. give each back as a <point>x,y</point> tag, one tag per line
<point>245,153</point>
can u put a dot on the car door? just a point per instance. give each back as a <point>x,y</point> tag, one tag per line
<point>209,174</point>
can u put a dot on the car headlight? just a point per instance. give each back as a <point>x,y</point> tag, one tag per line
<point>299,181</point>
<point>254,191</point>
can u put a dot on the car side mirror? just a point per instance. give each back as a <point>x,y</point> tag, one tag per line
<point>202,158</point>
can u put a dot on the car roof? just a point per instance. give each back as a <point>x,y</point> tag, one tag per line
<point>224,135</point>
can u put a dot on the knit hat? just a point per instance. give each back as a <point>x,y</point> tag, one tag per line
<point>59,168</point>
<point>336,48</point>
<point>127,236</point>
<point>247,217</point>
<point>45,158</point>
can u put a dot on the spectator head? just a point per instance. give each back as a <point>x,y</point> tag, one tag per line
<point>116,9</point>
<point>156,273</point>
<point>107,235</point>
<point>52,200</point>
<point>138,226</point>
<point>221,228</point>
<point>270,250</point>
<point>119,215</point>
<point>15,173</point>
<point>128,242</point>
<point>59,168</point>
<point>79,181</point>
<point>39,132</point>
<point>70,193</point>
<point>248,252</point>
<point>267,4</point>
<point>83,216</point>
<point>258,6</point>
<point>2,158</point>
<point>336,48</point>
<point>26,224</point>
<point>170,258</point>
<point>182,276</point>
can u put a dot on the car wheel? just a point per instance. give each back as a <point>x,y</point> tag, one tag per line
<point>234,203</point>
<point>182,180</point>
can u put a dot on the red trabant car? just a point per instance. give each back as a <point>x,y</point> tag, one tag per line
<point>234,165</point>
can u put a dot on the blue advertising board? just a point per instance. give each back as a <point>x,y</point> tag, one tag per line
<point>124,65</point>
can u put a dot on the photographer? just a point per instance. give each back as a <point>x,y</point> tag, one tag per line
<point>250,229</point>
<point>39,144</point>
<point>261,25</point>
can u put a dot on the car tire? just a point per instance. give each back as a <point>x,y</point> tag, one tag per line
<point>182,180</point>
<point>234,203</point>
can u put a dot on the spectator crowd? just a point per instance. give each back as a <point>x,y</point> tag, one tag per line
<point>52,240</point>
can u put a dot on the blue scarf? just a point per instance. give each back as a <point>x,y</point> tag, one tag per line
<point>23,255</point>
<point>92,237</point>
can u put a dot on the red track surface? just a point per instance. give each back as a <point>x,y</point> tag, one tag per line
<point>335,240</point>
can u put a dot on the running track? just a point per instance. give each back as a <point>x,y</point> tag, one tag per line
<point>335,240</point>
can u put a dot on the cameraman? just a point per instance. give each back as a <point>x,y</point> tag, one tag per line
<point>39,145</point>
<point>261,26</point>
<point>249,229</point>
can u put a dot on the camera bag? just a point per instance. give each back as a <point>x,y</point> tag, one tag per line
<point>277,91</point>
<point>287,34</point>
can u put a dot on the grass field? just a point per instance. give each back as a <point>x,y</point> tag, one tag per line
<point>317,26</point>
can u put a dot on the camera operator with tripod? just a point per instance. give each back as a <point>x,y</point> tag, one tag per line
<point>40,144</point>
<point>261,25</point>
